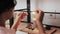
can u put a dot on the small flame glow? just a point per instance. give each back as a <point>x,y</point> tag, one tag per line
<point>33,12</point>
<point>34,19</point>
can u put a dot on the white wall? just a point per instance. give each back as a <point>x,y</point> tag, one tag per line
<point>33,5</point>
<point>45,5</point>
<point>21,4</point>
<point>49,5</point>
<point>40,4</point>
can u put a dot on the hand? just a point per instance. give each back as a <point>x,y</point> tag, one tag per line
<point>21,16</point>
<point>37,15</point>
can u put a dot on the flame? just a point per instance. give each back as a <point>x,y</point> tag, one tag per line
<point>33,12</point>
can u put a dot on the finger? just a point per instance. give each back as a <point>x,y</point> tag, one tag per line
<point>38,11</point>
<point>22,15</point>
<point>19,13</point>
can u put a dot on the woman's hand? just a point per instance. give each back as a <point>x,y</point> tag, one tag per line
<point>21,16</point>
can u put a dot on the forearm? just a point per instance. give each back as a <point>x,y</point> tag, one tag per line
<point>40,27</point>
<point>15,25</point>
